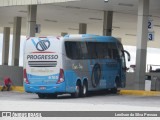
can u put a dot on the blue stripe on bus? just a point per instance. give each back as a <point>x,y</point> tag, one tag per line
<point>34,43</point>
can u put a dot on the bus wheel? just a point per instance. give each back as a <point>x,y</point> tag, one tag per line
<point>52,96</point>
<point>77,93</point>
<point>114,90</point>
<point>41,96</point>
<point>85,89</point>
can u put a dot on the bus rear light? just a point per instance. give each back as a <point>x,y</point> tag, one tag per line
<point>25,76</point>
<point>61,76</point>
<point>26,81</point>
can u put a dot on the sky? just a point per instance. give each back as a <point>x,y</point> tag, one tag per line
<point>153,54</point>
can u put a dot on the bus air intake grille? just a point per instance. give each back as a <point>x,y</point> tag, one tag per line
<point>42,63</point>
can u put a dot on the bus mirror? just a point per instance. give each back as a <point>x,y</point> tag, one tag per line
<point>129,57</point>
<point>125,69</point>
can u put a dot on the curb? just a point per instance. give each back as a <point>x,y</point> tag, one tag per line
<point>139,92</point>
<point>16,88</point>
<point>122,92</point>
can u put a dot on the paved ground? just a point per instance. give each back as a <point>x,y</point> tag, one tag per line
<point>14,101</point>
<point>93,99</point>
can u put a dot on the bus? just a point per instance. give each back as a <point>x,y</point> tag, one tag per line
<point>74,64</point>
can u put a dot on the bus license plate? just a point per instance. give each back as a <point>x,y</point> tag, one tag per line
<point>42,88</point>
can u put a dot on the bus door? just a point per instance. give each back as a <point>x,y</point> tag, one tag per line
<point>112,63</point>
<point>123,68</point>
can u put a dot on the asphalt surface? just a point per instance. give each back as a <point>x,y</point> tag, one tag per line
<point>16,101</point>
<point>94,99</point>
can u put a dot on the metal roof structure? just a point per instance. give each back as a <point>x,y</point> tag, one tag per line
<point>56,16</point>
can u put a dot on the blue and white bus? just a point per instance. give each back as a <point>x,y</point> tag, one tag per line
<point>74,64</point>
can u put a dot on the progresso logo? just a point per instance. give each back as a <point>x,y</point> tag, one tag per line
<point>41,45</point>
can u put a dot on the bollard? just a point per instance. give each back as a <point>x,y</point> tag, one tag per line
<point>148,83</point>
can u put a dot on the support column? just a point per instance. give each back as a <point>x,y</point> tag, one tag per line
<point>142,38</point>
<point>107,23</point>
<point>82,28</point>
<point>5,49</point>
<point>16,41</point>
<point>31,20</point>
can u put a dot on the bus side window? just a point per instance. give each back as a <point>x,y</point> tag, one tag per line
<point>110,50</point>
<point>91,50</point>
<point>72,50</point>
<point>68,50</point>
<point>75,53</point>
<point>110,53</point>
<point>100,47</point>
<point>115,54</point>
<point>83,50</point>
<point>106,51</point>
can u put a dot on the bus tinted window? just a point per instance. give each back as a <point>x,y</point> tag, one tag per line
<point>73,50</point>
<point>83,50</point>
<point>114,51</point>
<point>92,53</point>
<point>91,50</point>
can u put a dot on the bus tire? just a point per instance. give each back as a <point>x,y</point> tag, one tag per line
<point>114,90</point>
<point>85,89</point>
<point>77,93</point>
<point>52,95</point>
<point>41,96</point>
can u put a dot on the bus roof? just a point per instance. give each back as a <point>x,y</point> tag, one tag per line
<point>82,37</point>
<point>90,37</point>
